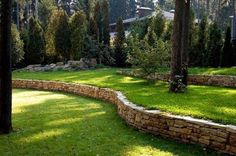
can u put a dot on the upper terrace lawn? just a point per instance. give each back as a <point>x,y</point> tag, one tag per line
<point>215,103</point>
<point>203,71</point>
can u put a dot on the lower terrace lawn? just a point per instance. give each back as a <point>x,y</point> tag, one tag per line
<point>215,103</point>
<point>49,123</point>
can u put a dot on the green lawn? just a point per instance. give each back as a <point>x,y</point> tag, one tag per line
<point>213,71</point>
<point>215,103</point>
<point>49,123</point>
<point>205,71</point>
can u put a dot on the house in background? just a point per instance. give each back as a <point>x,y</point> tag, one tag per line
<point>142,13</point>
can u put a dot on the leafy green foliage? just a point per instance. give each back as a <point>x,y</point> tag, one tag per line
<point>214,46</point>
<point>78,28</point>
<point>105,23</point>
<point>228,56</point>
<point>17,46</point>
<point>36,44</point>
<point>158,23</point>
<point>140,28</point>
<point>148,57</point>
<point>62,35</point>
<point>120,53</point>
<point>45,9</point>
<point>200,51</point>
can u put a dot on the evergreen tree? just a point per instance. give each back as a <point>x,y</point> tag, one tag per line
<point>151,37</point>
<point>98,20</point>
<point>87,8</point>
<point>51,53</point>
<point>62,35</point>
<point>105,23</point>
<point>120,54</point>
<point>45,9</point>
<point>214,46</point>
<point>193,39</point>
<point>118,9</point>
<point>201,43</point>
<point>227,57</point>
<point>93,29</point>
<point>36,44</point>
<point>17,46</point>
<point>168,32</point>
<point>78,27</point>
<point>158,24</point>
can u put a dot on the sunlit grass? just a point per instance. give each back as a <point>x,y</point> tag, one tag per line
<point>61,124</point>
<point>203,71</point>
<point>215,103</point>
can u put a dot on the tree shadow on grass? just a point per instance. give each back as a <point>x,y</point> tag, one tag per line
<point>72,125</point>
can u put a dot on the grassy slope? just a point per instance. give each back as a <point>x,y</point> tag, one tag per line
<point>206,71</point>
<point>213,103</point>
<point>213,71</point>
<point>62,124</point>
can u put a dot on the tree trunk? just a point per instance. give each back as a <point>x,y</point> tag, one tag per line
<point>185,42</point>
<point>176,46</point>
<point>5,68</point>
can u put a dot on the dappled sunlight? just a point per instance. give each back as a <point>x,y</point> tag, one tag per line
<point>142,150</point>
<point>130,80</point>
<point>71,125</point>
<point>63,121</point>
<point>43,135</point>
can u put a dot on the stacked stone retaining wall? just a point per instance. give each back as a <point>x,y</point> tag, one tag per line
<point>185,129</point>
<point>209,80</point>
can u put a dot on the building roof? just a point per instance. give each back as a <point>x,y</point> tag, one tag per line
<point>144,8</point>
<point>167,15</point>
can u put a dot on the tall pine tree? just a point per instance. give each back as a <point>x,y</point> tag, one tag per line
<point>62,36</point>
<point>98,20</point>
<point>105,23</point>
<point>78,27</point>
<point>201,51</point>
<point>35,47</point>
<point>120,54</point>
<point>227,57</point>
<point>214,46</point>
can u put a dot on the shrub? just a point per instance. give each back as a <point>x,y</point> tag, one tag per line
<point>148,57</point>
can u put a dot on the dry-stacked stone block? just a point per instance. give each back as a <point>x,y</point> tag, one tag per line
<point>185,129</point>
<point>209,80</point>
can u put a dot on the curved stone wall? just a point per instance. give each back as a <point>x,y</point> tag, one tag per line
<point>209,80</point>
<point>184,129</point>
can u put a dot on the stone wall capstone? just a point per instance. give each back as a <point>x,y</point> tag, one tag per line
<point>185,129</point>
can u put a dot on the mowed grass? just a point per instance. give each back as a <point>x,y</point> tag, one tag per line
<point>214,103</point>
<point>47,123</point>
<point>202,71</point>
